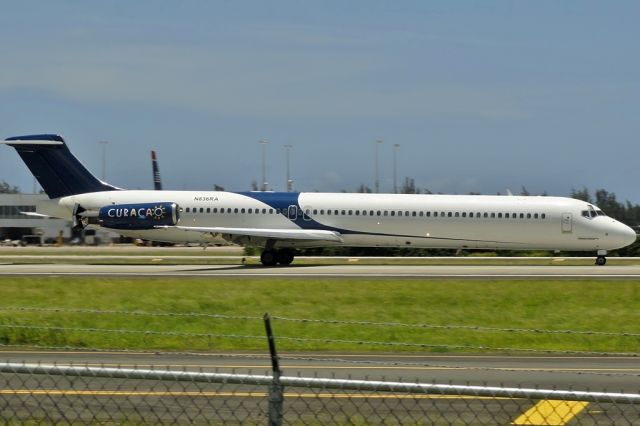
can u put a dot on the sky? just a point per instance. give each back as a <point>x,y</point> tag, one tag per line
<point>480,96</point>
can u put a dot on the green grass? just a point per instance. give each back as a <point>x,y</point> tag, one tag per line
<point>594,305</point>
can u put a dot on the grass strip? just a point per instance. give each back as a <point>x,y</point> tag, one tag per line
<point>583,305</point>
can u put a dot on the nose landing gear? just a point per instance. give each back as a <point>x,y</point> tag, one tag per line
<point>601,259</point>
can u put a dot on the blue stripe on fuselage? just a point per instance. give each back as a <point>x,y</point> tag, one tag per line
<point>283,201</point>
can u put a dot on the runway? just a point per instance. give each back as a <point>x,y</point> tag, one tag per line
<point>329,271</point>
<point>611,374</point>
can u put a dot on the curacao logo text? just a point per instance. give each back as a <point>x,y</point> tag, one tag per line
<point>156,212</point>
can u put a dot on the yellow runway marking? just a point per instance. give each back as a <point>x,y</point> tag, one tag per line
<point>549,412</point>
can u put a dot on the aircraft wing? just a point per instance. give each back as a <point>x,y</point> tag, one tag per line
<point>279,234</point>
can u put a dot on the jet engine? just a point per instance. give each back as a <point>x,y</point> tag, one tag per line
<point>138,216</point>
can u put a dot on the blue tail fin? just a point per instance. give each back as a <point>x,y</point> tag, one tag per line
<point>57,170</point>
<point>157,183</point>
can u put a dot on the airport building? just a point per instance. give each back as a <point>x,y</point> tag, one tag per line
<point>16,227</point>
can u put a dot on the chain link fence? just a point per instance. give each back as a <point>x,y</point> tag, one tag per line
<point>45,394</point>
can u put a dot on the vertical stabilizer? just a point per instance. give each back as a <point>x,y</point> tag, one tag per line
<point>57,170</point>
<point>157,183</point>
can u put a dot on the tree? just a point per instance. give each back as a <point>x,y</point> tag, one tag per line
<point>5,188</point>
<point>363,189</point>
<point>409,186</point>
<point>582,194</point>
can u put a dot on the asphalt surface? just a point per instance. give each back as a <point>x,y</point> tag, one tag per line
<point>330,271</point>
<point>50,398</point>
<point>610,373</point>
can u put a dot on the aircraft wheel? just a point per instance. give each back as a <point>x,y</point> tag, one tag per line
<point>268,258</point>
<point>285,256</point>
<point>601,260</point>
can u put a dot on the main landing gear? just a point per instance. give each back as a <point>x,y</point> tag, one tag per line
<point>272,257</point>
<point>601,259</point>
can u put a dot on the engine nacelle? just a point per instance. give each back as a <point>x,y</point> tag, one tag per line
<point>138,216</point>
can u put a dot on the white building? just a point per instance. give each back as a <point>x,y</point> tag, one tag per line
<point>14,225</point>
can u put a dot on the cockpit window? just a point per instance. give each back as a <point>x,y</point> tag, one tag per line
<point>592,212</point>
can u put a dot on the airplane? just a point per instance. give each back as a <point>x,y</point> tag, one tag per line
<point>280,222</point>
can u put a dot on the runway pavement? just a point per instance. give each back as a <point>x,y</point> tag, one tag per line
<point>611,374</point>
<point>330,271</point>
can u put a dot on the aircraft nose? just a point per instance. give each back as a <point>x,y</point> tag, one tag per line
<point>624,235</point>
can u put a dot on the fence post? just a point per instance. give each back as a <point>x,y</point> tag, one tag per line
<point>276,390</point>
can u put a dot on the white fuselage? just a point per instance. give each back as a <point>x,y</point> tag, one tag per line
<point>385,220</point>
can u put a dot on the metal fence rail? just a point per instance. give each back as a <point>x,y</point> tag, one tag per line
<point>83,394</point>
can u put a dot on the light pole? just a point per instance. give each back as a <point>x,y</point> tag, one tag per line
<point>104,159</point>
<point>395,167</point>
<point>289,180</point>
<point>264,165</point>
<point>377,183</point>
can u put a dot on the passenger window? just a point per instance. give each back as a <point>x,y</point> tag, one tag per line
<point>535,215</point>
<point>270,211</point>
<point>413,214</point>
<point>499,215</point>
<point>464,214</point>
<point>393,213</point>
<point>350,212</point>
<point>336,212</point>
<point>521,215</point>
<point>528,215</point>
<point>486,215</point>
<point>208,209</point>
<point>386,213</point>
<point>470,214</point>
<point>421,214</point>
<point>457,214</point>
<point>544,216</point>
<point>357,212</point>
<point>215,210</point>
<point>506,215</point>
<point>187,210</point>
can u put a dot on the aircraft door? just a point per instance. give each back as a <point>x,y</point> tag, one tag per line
<point>567,222</point>
<point>292,212</point>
